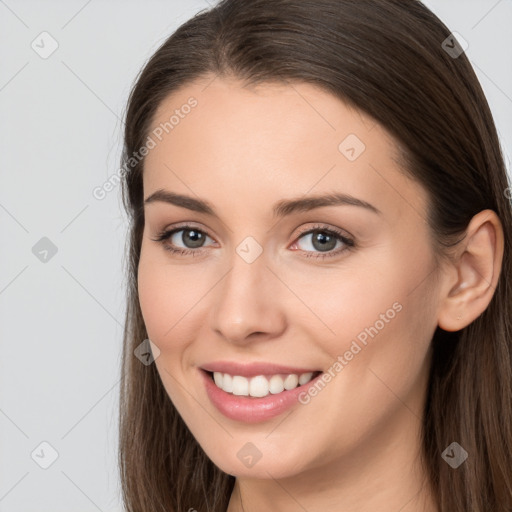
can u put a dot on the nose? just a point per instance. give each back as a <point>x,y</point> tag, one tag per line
<point>247,303</point>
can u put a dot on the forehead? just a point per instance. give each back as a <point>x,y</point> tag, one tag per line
<point>221,139</point>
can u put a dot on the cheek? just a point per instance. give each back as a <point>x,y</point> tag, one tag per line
<point>378,314</point>
<point>166,303</point>
<point>387,287</point>
<point>152,297</point>
<point>170,299</point>
<point>384,336</point>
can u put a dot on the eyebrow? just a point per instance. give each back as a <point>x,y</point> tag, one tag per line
<point>281,208</point>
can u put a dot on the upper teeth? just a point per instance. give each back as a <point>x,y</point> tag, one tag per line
<point>260,385</point>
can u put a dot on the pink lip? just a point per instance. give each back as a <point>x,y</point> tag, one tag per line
<point>251,409</point>
<point>252,369</point>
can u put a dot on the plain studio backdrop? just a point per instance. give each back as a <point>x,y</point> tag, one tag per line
<point>66,71</point>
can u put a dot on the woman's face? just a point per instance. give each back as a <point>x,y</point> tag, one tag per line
<point>254,287</point>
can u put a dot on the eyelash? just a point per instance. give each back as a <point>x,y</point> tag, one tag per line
<point>163,236</point>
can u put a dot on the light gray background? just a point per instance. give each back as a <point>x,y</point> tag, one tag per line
<point>61,320</point>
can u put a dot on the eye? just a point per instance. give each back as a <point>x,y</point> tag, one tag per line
<point>324,240</point>
<point>192,237</point>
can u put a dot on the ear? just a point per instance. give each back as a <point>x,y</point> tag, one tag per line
<point>473,274</point>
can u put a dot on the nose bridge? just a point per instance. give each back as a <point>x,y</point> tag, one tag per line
<point>246,300</point>
<point>245,286</point>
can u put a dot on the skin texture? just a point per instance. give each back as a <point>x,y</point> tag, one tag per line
<point>355,446</point>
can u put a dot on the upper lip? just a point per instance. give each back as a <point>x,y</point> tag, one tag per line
<point>253,369</point>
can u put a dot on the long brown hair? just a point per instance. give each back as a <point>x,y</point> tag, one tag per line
<point>390,59</point>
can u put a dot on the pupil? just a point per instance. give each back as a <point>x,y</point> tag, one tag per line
<point>196,236</point>
<point>323,240</point>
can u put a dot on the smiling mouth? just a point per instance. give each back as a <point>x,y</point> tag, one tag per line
<point>260,386</point>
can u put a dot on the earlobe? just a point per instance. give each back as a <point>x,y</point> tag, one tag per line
<point>476,269</point>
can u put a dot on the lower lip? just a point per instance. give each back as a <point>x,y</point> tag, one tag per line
<point>252,409</point>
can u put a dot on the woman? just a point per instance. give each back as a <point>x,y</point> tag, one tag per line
<point>320,256</point>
